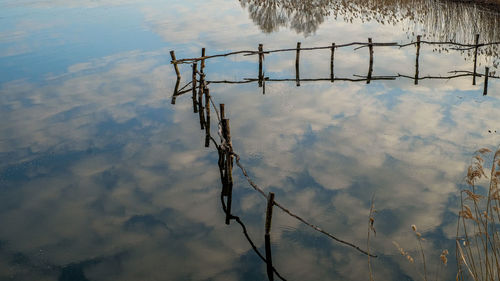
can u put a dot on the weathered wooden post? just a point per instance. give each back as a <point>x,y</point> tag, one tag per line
<point>416,61</point>
<point>332,56</point>
<point>370,68</point>
<point>297,61</point>
<point>176,90</point>
<point>476,43</point>
<point>201,90</point>
<point>261,59</point>
<point>267,237</point>
<point>486,74</point>
<point>222,154</point>
<point>177,83</point>
<point>202,60</point>
<point>222,114</point>
<point>201,111</point>
<point>207,118</point>
<point>174,62</point>
<point>226,133</point>
<point>193,83</point>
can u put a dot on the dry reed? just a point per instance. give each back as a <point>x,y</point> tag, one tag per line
<point>478,239</point>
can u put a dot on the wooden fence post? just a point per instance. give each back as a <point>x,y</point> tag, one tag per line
<point>207,119</point>
<point>202,60</point>
<point>297,61</point>
<point>476,42</point>
<point>332,56</point>
<point>226,133</point>
<point>267,237</point>
<point>174,62</point>
<point>416,61</point>
<point>176,90</point>
<point>261,58</point>
<point>222,155</point>
<point>201,111</point>
<point>177,83</point>
<point>370,68</point>
<point>222,115</point>
<point>193,83</point>
<point>486,74</point>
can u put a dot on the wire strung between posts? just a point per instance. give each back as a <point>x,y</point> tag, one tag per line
<point>189,83</point>
<point>225,146</point>
<point>257,188</point>
<point>245,232</point>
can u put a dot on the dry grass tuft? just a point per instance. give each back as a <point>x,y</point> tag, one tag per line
<point>478,240</point>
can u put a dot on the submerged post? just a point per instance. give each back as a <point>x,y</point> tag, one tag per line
<point>267,237</point>
<point>486,74</point>
<point>207,118</point>
<point>332,56</point>
<point>261,58</point>
<point>416,61</point>
<point>174,62</point>
<point>476,42</point>
<point>193,83</point>
<point>370,68</point>
<point>297,60</point>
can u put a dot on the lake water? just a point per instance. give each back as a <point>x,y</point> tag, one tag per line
<point>103,178</point>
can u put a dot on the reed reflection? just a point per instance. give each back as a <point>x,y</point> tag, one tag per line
<point>437,20</point>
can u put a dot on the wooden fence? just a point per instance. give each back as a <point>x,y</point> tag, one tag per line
<point>203,104</point>
<point>261,79</point>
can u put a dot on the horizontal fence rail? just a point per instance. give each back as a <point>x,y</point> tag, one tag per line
<point>458,46</point>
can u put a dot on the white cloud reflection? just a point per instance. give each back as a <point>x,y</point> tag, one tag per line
<point>97,164</point>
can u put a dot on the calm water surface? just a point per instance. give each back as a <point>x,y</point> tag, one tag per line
<point>102,178</point>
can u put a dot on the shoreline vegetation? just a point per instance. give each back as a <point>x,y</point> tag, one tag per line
<point>435,20</point>
<point>438,20</point>
<point>490,5</point>
<point>477,242</point>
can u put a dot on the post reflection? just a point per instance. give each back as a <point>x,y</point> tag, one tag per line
<point>225,164</point>
<point>261,79</point>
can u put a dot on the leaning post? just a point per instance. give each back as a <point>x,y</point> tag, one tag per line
<point>174,62</point>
